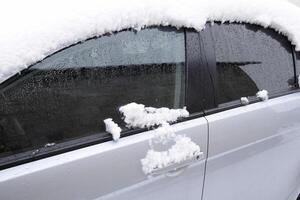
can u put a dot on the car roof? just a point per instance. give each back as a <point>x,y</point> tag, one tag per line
<point>32,29</point>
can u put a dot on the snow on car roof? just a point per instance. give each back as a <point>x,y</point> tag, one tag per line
<point>32,29</point>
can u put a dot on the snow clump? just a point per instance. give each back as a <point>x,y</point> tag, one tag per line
<point>139,116</point>
<point>183,149</point>
<point>163,134</point>
<point>244,101</point>
<point>112,128</point>
<point>262,95</point>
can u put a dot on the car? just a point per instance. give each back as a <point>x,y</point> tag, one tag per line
<point>238,81</point>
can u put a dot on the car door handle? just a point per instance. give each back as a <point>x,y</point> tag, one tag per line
<point>176,169</point>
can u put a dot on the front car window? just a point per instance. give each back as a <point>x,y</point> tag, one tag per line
<point>69,94</point>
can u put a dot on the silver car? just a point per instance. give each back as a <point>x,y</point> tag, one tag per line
<point>53,143</point>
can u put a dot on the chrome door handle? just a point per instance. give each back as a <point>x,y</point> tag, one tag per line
<point>176,169</point>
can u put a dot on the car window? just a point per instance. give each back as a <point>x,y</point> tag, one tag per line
<point>69,94</point>
<point>250,58</point>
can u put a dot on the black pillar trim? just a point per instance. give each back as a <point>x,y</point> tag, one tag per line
<point>200,88</point>
<point>295,67</point>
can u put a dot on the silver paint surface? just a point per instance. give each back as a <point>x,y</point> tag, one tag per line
<point>254,151</point>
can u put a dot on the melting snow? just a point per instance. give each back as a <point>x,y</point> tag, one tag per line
<point>35,29</point>
<point>49,144</point>
<point>262,95</point>
<point>139,116</point>
<point>183,149</point>
<point>112,128</point>
<point>163,134</point>
<point>244,101</point>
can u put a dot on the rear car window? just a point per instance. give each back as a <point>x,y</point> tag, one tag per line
<point>69,94</point>
<point>250,58</point>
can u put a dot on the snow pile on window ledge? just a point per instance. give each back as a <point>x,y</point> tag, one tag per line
<point>35,29</point>
<point>183,149</point>
<point>139,116</point>
<point>262,95</point>
<point>244,101</point>
<point>112,128</point>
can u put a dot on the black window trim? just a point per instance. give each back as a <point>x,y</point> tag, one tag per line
<point>295,65</point>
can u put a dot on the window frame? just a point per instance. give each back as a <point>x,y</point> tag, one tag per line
<point>252,99</point>
<point>191,99</point>
<point>296,57</point>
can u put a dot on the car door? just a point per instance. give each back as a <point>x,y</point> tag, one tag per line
<point>253,148</point>
<point>54,144</point>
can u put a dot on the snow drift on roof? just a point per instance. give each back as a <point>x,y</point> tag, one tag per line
<point>32,29</point>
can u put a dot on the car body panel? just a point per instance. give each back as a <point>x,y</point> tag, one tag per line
<point>254,151</point>
<point>110,170</point>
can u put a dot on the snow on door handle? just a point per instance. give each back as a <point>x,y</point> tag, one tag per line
<point>176,169</point>
<point>182,154</point>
